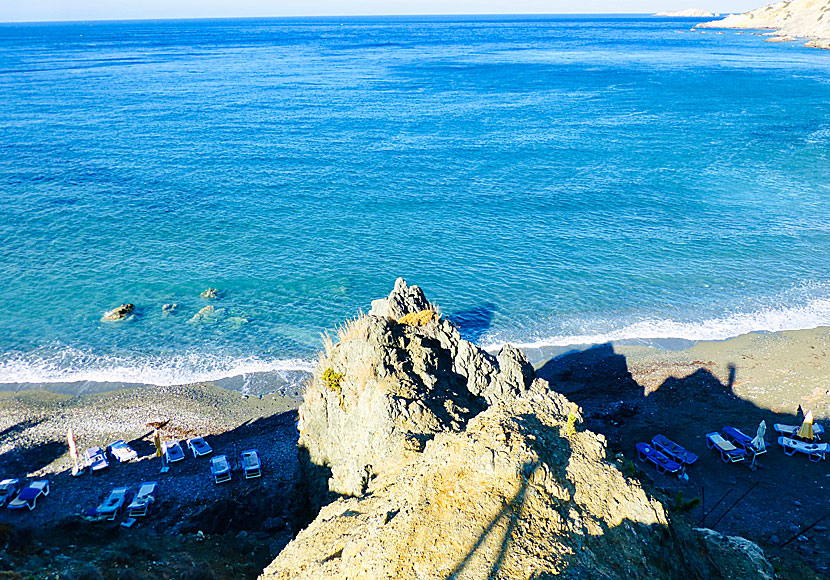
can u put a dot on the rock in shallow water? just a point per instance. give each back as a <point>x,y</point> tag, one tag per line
<point>118,313</point>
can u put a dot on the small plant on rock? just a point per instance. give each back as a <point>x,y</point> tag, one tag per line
<point>333,379</point>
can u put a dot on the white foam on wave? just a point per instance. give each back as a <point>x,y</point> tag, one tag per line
<point>812,315</point>
<point>71,365</point>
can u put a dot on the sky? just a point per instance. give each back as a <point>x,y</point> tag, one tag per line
<point>40,10</point>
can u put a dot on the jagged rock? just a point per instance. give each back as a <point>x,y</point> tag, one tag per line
<point>402,300</point>
<point>454,463</point>
<point>168,309</point>
<point>509,497</point>
<point>399,383</point>
<point>209,294</point>
<point>118,313</point>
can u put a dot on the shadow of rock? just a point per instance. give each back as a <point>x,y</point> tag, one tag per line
<point>790,490</point>
<point>473,323</point>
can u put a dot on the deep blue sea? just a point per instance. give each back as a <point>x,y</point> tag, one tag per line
<point>546,180</point>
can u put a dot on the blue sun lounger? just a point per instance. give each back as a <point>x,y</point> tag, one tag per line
<point>664,465</point>
<point>673,450</point>
<point>742,440</point>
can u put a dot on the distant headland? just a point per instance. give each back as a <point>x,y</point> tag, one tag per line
<point>792,20</point>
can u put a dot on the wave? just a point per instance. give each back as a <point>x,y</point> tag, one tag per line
<point>812,315</point>
<point>72,365</point>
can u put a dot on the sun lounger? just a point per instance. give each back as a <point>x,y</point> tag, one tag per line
<point>143,500</point>
<point>791,430</point>
<point>251,465</point>
<point>815,451</point>
<point>664,465</point>
<point>728,452</point>
<point>220,468</point>
<point>673,450</point>
<point>96,459</point>
<point>742,440</point>
<point>121,451</point>
<point>111,506</point>
<point>8,487</point>
<point>198,446</point>
<point>28,497</point>
<point>172,451</point>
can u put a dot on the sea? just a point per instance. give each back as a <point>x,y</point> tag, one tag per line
<point>547,180</point>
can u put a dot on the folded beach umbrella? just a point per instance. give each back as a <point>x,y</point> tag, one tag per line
<point>157,441</point>
<point>758,442</point>
<point>806,430</point>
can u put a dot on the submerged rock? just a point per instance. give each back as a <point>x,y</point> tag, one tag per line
<point>118,313</point>
<point>209,294</point>
<point>206,314</point>
<point>169,309</point>
<point>453,463</point>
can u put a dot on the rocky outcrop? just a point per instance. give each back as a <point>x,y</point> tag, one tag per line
<point>807,19</point>
<point>118,313</point>
<point>209,294</point>
<point>453,463</point>
<point>387,387</point>
<point>688,13</point>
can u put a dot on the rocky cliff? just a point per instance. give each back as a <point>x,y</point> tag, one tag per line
<point>792,19</point>
<point>450,462</point>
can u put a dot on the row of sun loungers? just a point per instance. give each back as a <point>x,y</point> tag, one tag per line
<point>220,467</point>
<point>25,498</point>
<point>97,460</point>
<point>669,457</point>
<point>113,505</point>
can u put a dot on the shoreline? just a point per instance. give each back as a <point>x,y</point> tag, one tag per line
<point>773,374</point>
<point>643,353</point>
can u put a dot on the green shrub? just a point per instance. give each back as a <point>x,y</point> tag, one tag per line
<point>332,379</point>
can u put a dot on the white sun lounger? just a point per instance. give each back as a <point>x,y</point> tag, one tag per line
<point>143,500</point>
<point>111,506</point>
<point>815,451</point>
<point>121,451</point>
<point>220,468</point>
<point>8,487</point>
<point>791,430</point>
<point>96,459</point>
<point>198,446</point>
<point>28,497</point>
<point>172,451</point>
<point>728,452</point>
<point>251,465</point>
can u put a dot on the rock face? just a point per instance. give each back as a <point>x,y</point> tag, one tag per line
<point>796,18</point>
<point>387,387</point>
<point>453,463</point>
<point>118,313</point>
<point>688,13</point>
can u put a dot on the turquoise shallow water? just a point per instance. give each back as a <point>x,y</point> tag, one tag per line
<point>547,181</point>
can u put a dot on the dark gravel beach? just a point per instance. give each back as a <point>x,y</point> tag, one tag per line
<point>192,523</point>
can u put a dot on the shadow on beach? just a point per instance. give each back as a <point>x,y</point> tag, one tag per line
<point>778,499</point>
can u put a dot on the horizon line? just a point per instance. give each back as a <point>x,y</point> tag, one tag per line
<point>327,16</point>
